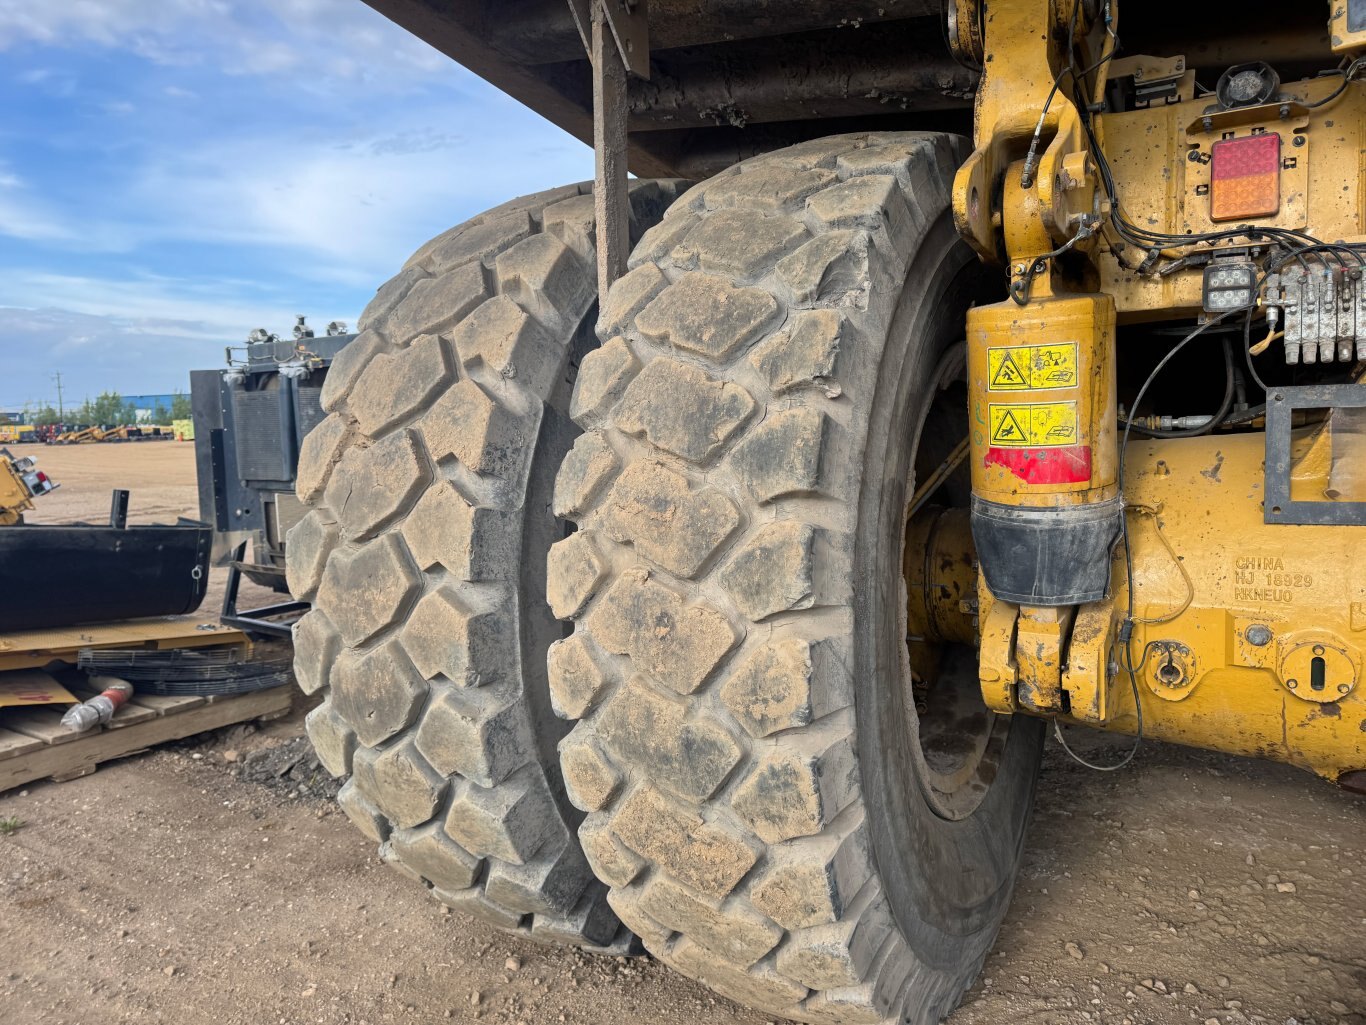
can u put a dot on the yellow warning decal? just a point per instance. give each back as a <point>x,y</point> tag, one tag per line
<point>1012,426</point>
<point>1032,367</point>
<point>1033,424</point>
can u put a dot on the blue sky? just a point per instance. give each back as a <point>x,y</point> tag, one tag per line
<point>175,173</point>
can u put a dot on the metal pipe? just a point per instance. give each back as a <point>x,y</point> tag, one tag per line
<point>799,80</point>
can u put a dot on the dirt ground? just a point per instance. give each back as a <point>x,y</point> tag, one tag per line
<point>159,474</point>
<point>1190,888</point>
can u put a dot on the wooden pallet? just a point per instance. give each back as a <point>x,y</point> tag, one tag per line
<point>35,745</point>
<point>33,649</point>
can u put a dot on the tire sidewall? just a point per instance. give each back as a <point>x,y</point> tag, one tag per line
<point>948,881</point>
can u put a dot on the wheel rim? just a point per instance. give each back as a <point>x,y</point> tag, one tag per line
<point>956,740</point>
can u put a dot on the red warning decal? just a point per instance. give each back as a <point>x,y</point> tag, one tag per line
<point>1069,465</point>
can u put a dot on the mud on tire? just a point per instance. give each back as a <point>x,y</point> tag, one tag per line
<point>753,800</point>
<point>429,493</point>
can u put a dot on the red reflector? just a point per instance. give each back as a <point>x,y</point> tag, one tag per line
<point>1068,465</point>
<point>1245,177</point>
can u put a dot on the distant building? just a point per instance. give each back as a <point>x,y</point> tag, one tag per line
<point>146,406</point>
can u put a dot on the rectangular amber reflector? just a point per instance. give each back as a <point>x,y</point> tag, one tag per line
<point>1245,177</point>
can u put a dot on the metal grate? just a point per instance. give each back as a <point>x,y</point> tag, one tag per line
<point>185,672</point>
<point>263,443</point>
<point>309,408</point>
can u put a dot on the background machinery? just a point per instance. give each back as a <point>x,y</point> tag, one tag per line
<point>20,483</point>
<point>701,566</point>
<point>248,422</point>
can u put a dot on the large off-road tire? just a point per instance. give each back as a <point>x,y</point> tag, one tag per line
<point>423,552</point>
<point>774,816</point>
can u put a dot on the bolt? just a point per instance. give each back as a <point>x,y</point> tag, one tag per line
<point>1292,684</point>
<point>1207,123</point>
<point>1285,110</point>
<point>1300,140</point>
<point>1258,635</point>
<point>1193,156</point>
<point>1343,688</point>
<point>1318,649</point>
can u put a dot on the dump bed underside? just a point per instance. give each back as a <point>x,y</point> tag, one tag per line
<point>730,78</point>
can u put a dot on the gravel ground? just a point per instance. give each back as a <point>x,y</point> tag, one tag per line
<point>202,884</point>
<point>212,882</point>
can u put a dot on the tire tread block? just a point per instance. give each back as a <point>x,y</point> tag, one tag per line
<point>710,859</point>
<point>418,483</point>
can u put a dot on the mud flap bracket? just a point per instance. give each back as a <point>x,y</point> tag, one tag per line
<point>616,35</point>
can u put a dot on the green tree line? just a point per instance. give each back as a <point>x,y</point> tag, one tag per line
<point>109,409</point>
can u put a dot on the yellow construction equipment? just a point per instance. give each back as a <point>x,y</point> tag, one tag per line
<point>20,483</point>
<point>1232,616</point>
<point>124,432</point>
<point>998,371</point>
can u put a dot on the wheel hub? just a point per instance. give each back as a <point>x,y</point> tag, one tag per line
<point>955,736</point>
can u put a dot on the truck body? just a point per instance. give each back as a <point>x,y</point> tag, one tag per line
<point>248,422</point>
<point>995,369</point>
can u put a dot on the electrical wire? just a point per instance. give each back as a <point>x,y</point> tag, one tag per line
<point>1150,510</point>
<point>1346,74</point>
<point>1217,420</point>
<point>1297,243</point>
<point>1297,246</point>
<point>1265,343</point>
<point>1125,633</point>
<point>1155,242</point>
<point>1244,416</point>
<point>1128,427</point>
<point>1019,290</point>
<point>1027,173</point>
<point>1129,755</point>
<point>1247,353</point>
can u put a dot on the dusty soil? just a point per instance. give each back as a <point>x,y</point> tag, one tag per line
<point>160,475</point>
<point>187,886</point>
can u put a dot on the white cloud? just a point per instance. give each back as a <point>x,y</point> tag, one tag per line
<point>105,22</point>
<point>96,354</point>
<point>398,171</point>
<point>355,210</point>
<point>51,81</point>
<point>150,304</point>
<point>135,336</point>
<point>201,170</point>
<point>19,220</point>
<point>360,208</point>
<point>316,38</point>
<point>26,216</point>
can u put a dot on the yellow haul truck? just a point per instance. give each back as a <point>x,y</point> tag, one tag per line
<point>699,556</point>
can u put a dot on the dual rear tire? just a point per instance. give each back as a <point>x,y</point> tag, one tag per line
<point>747,775</point>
